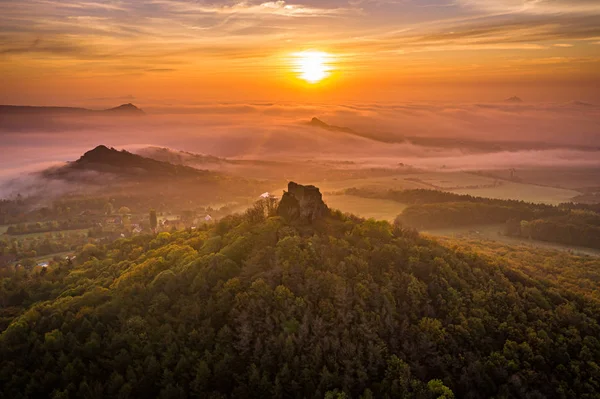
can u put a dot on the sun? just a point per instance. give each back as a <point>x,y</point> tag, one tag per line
<point>312,66</point>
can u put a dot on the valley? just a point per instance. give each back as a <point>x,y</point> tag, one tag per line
<point>128,246</point>
<point>300,199</point>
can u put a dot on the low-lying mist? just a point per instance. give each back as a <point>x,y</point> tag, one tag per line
<point>430,136</point>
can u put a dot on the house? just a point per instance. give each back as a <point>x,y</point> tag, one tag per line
<point>208,218</point>
<point>115,220</point>
<point>137,229</point>
<point>43,264</point>
<point>87,212</point>
<point>268,195</point>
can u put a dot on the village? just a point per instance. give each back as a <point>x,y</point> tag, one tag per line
<point>38,245</point>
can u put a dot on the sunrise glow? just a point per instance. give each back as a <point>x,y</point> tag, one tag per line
<point>312,66</point>
<point>336,199</point>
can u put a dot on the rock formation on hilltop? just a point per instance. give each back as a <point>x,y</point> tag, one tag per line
<point>302,203</point>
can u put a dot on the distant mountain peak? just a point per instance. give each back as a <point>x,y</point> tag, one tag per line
<point>123,164</point>
<point>101,148</point>
<point>514,99</point>
<point>582,104</point>
<point>97,153</point>
<point>316,122</point>
<point>126,108</point>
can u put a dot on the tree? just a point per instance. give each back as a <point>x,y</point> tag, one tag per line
<point>124,212</point>
<point>512,227</point>
<point>153,220</point>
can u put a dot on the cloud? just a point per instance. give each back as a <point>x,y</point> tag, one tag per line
<point>496,32</point>
<point>272,130</point>
<point>536,6</point>
<point>212,41</point>
<point>128,97</point>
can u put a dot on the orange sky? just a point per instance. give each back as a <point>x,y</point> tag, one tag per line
<point>181,52</point>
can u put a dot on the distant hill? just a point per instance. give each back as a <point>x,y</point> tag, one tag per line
<point>582,104</point>
<point>514,99</point>
<point>125,109</point>
<point>128,109</point>
<point>316,122</point>
<point>444,142</point>
<point>466,144</point>
<point>179,157</point>
<point>377,136</point>
<point>122,164</point>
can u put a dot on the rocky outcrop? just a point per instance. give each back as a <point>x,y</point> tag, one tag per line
<point>302,203</point>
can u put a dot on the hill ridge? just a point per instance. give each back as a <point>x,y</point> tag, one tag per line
<point>123,163</point>
<point>123,109</point>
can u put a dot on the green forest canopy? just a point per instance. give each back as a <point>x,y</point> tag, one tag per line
<point>254,306</point>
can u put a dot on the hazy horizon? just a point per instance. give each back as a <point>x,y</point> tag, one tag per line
<point>73,52</point>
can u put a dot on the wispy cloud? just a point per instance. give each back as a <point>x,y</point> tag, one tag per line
<point>536,6</point>
<point>105,38</point>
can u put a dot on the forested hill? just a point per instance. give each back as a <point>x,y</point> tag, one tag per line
<point>123,164</point>
<point>257,307</point>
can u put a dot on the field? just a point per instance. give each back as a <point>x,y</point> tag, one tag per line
<point>489,233</point>
<point>48,234</point>
<point>394,182</point>
<point>581,179</point>
<point>523,192</point>
<point>365,207</point>
<point>456,182</point>
<point>49,257</point>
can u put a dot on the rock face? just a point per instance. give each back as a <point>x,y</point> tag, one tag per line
<point>302,203</point>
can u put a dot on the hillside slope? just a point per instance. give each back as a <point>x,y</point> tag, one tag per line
<point>123,164</point>
<point>257,307</point>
